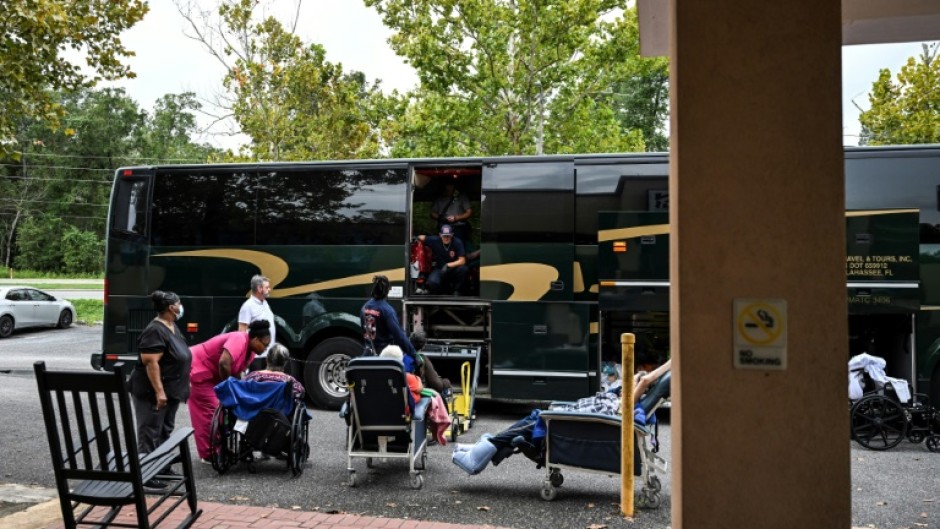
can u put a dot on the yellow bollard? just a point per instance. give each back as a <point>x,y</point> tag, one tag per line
<point>627,342</point>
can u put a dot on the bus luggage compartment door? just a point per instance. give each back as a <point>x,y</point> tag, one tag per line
<point>540,351</point>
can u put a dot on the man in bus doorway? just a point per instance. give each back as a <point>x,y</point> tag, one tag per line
<point>453,207</point>
<point>256,308</point>
<point>449,271</point>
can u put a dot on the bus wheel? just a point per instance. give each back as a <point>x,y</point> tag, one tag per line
<point>325,371</point>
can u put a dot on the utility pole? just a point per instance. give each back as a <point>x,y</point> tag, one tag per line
<point>538,139</point>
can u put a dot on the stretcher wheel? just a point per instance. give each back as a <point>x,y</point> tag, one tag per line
<point>556,478</point>
<point>548,492</point>
<point>933,443</point>
<point>351,480</point>
<point>417,481</point>
<point>654,484</point>
<point>878,423</point>
<point>370,463</point>
<point>649,499</point>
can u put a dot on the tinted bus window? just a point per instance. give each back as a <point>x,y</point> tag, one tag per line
<point>896,182</point>
<point>129,211</point>
<point>204,208</point>
<point>528,202</point>
<point>332,206</point>
<point>617,187</point>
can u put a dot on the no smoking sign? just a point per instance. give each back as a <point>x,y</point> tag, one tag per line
<point>760,333</point>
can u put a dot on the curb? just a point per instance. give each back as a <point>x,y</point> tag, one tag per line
<point>39,516</point>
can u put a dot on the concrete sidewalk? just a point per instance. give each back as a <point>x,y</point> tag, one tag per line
<point>223,516</point>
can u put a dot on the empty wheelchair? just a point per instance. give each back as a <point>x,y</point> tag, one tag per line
<point>258,417</point>
<point>887,411</point>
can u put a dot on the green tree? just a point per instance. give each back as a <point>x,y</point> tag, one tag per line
<point>906,111</point>
<point>497,77</point>
<point>33,36</point>
<point>37,243</point>
<point>168,133</point>
<point>642,101</point>
<point>83,251</point>
<point>65,175</point>
<point>283,93</point>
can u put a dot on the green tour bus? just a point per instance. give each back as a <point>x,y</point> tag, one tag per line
<point>569,251</point>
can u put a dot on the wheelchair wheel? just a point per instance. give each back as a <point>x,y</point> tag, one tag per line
<point>933,443</point>
<point>219,440</point>
<point>878,422</point>
<point>299,449</point>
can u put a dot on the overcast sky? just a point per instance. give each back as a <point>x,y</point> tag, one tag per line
<point>168,62</point>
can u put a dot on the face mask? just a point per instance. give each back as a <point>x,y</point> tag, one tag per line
<point>179,315</point>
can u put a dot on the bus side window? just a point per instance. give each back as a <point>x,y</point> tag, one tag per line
<point>129,211</point>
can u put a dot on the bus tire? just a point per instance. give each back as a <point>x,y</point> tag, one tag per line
<point>325,371</point>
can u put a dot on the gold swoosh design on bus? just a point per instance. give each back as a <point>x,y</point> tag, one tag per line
<point>529,281</point>
<point>631,233</point>
<point>866,212</point>
<point>271,266</point>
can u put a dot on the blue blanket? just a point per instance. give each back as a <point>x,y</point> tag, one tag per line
<point>247,398</point>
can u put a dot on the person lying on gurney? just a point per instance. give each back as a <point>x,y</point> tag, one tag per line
<point>527,433</point>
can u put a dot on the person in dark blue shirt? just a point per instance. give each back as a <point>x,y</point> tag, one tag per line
<point>449,270</point>
<point>380,326</point>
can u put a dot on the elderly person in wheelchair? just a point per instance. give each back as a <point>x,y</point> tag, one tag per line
<point>261,416</point>
<point>526,435</point>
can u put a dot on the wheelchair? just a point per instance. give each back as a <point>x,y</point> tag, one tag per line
<point>234,436</point>
<point>880,420</point>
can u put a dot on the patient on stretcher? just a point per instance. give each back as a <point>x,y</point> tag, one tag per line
<point>526,435</point>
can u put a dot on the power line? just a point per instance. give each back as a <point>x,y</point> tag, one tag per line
<point>63,216</point>
<point>13,200</point>
<point>70,180</point>
<point>34,166</point>
<point>89,157</point>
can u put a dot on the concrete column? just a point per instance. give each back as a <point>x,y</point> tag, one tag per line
<point>757,211</point>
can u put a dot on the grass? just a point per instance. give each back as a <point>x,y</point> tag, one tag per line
<point>62,286</point>
<point>18,273</point>
<point>89,311</point>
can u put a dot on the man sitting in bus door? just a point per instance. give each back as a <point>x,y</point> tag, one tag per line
<point>449,271</point>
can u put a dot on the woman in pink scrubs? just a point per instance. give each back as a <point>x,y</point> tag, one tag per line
<point>215,360</point>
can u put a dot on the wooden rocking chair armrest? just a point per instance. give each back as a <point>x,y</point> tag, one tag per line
<point>179,437</point>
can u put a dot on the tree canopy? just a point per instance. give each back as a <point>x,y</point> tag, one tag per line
<point>505,77</point>
<point>906,111</point>
<point>283,93</point>
<point>34,65</point>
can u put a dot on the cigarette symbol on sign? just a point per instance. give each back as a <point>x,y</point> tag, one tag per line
<point>766,320</point>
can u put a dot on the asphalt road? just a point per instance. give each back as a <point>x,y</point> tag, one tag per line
<point>77,294</point>
<point>898,488</point>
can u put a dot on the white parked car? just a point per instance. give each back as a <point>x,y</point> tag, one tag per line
<point>22,307</point>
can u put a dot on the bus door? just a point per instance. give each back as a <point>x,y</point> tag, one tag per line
<point>882,276</point>
<point>540,335</point>
<point>633,297</point>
